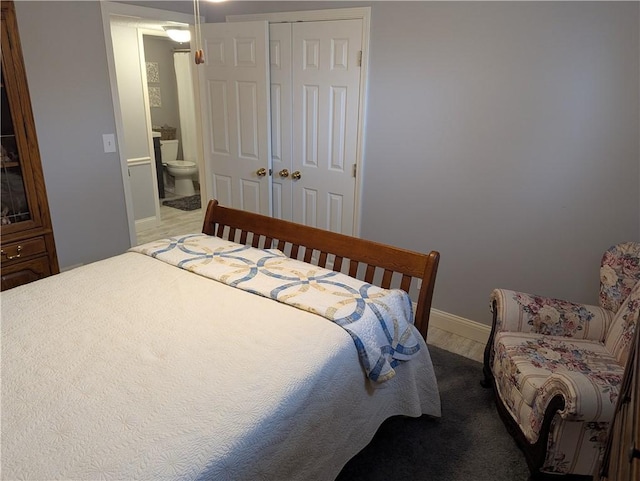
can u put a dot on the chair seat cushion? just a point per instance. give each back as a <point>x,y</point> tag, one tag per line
<point>531,358</point>
<point>533,368</point>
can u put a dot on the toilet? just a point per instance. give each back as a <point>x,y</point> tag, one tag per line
<point>182,170</point>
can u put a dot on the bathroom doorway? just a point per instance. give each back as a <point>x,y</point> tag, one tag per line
<point>173,117</point>
<point>173,123</point>
<point>145,101</point>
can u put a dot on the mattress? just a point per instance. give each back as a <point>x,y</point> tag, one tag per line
<point>130,368</point>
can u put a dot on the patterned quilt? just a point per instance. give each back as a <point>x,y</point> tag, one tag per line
<point>378,320</point>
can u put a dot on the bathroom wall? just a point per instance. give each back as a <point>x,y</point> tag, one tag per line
<point>134,119</point>
<point>159,51</point>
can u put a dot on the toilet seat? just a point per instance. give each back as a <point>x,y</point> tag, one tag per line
<point>181,164</point>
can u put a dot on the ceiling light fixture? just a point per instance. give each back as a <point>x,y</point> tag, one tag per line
<point>178,34</point>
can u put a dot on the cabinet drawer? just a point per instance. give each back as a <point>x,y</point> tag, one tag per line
<point>18,273</point>
<point>16,251</point>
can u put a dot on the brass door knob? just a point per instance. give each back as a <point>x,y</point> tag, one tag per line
<point>296,175</point>
<point>284,173</point>
<point>261,172</point>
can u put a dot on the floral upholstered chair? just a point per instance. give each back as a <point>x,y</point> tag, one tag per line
<point>556,366</point>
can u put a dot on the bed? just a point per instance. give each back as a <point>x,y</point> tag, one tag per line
<point>134,367</point>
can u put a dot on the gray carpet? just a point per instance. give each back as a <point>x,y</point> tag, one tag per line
<point>469,442</point>
<point>191,202</point>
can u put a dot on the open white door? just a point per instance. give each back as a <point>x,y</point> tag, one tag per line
<point>234,88</point>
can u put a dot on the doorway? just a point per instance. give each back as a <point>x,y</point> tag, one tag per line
<point>125,27</point>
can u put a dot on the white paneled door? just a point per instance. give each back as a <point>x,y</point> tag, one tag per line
<point>326,92</point>
<point>281,119</point>
<point>234,84</point>
<point>313,85</point>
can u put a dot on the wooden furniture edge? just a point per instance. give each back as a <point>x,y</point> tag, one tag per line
<point>18,96</point>
<point>621,458</point>
<point>319,244</point>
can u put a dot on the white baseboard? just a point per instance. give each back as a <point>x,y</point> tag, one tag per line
<point>460,326</point>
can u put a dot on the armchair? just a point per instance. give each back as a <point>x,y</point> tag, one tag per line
<point>556,367</point>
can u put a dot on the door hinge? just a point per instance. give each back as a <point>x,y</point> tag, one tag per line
<point>354,169</point>
<point>359,61</point>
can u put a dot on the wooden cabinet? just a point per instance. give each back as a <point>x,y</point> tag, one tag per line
<point>27,250</point>
<point>621,460</point>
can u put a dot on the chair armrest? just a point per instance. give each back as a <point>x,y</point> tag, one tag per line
<point>520,312</point>
<point>586,398</point>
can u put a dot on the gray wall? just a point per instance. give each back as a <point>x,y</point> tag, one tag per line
<point>160,51</point>
<point>504,135</point>
<point>64,52</point>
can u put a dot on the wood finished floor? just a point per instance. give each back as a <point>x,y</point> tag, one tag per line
<point>176,222</point>
<point>173,222</point>
<point>457,344</point>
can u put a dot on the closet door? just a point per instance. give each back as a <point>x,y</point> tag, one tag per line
<point>281,119</point>
<point>326,92</point>
<point>234,85</point>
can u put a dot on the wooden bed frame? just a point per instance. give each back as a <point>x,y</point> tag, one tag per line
<point>375,263</point>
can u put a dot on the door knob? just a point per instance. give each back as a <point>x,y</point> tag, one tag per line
<point>261,172</point>
<point>284,173</point>
<point>296,175</point>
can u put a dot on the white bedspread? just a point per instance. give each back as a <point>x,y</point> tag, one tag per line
<point>379,320</point>
<point>131,368</point>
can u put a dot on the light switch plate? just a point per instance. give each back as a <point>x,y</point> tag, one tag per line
<point>109,141</point>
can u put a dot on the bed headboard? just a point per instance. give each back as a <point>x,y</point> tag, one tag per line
<point>375,263</point>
